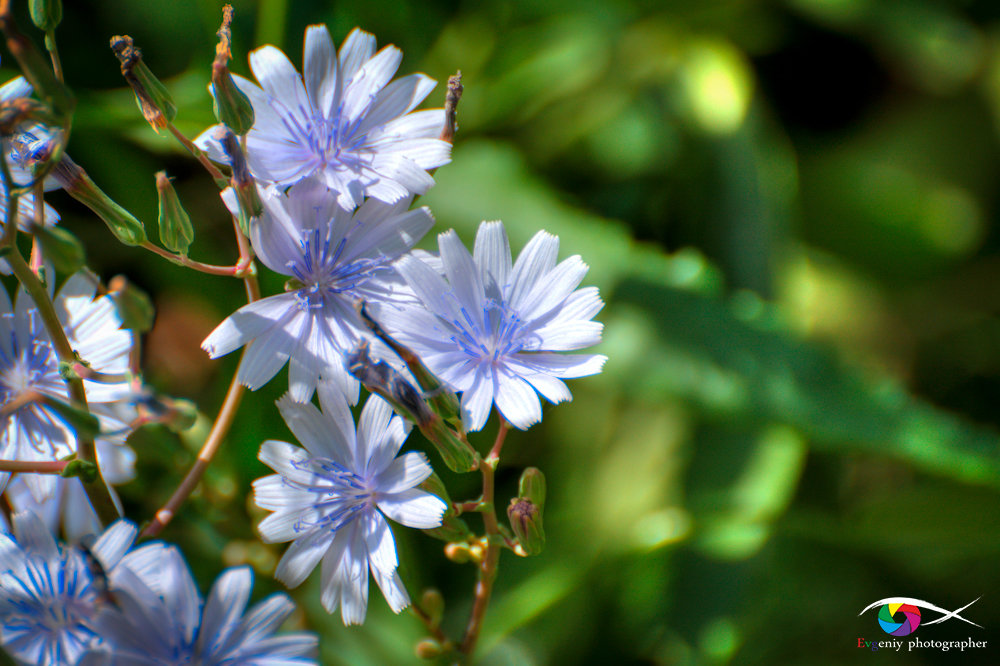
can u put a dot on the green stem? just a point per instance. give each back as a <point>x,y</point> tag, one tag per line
<point>493,542</point>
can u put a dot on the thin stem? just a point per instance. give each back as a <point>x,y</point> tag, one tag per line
<point>219,177</point>
<point>220,429</point>
<point>99,493</point>
<point>239,270</point>
<point>50,46</point>
<point>34,466</point>
<point>493,542</point>
<point>424,616</point>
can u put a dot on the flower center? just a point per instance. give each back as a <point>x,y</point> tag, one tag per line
<point>323,272</point>
<point>501,337</point>
<point>340,494</point>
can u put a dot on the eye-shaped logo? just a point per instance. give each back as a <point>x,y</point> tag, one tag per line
<point>900,616</point>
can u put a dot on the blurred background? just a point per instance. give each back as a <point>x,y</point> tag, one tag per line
<point>790,210</point>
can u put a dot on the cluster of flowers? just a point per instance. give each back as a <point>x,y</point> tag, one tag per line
<point>336,157</point>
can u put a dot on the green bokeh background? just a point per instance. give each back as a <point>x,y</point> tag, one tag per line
<point>790,210</point>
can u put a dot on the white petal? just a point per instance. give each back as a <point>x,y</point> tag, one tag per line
<point>403,473</point>
<point>278,78</point>
<point>393,590</point>
<point>324,434</point>
<point>536,259</point>
<point>302,557</point>
<point>553,289</point>
<point>319,67</point>
<point>464,277</point>
<point>379,542</point>
<point>554,390</point>
<point>269,352</point>
<point>492,251</point>
<point>414,508</point>
<point>247,323</point>
<point>372,434</point>
<point>477,401</point>
<point>224,608</point>
<point>363,86</point>
<point>355,51</point>
<point>112,545</point>
<point>565,366</point>
<point>566,336</point>
<point>518,402</point>
<point>396,99</point>
<point>426,124</point>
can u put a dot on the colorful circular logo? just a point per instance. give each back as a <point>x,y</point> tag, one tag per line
<point>899,619</point>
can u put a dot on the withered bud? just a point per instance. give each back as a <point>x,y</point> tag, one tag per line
<point>150,94</point>
<point>231,106</point>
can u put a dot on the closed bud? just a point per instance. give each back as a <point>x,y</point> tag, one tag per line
<point>87,471</point>
<point>231,106</point>
<point>45,14</point>
<point>428,648</point>
<point>151,95</point>
<point>526,521</point>
<point>454,449</point>
<point>532,486</point>
<point>78,185</point>
<point>458,553</point>
<point>134,306</point>
<point>60,247</point>
<point>242,181</point>
<point>176,232</point>
<point>432,603</point>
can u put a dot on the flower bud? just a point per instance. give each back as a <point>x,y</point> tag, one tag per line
<point>454,449</point>
<point>526,521</point>
<point>150,94</point>
<point>78,185</point>
<point>45,14</point>
<point>242,181</point>
<point>428,648</point>
<point>134,306</point>
<point>532,486</point>
<point>231,106</point>
<point>176,232</point>
<point>432,603</point>
<point>87,471</point>
<point>459,553</point>
<point>525,511</point>
<point>60,247</point>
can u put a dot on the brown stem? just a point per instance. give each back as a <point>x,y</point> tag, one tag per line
<point>228,271</point>
<point>219,177</point>
<point>219,431</point>
<point>34,466</point>
<point>493,541</point>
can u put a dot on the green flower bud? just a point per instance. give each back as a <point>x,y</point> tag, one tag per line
<point>45,14</point>
<point>459,553</point>
<point>176,232</point>
<point>134,306</point>
<point>60,247</point>
<point>432,603</point>
<point>36,67</point>
<point>78,185</point>
<point>526,521</point>
<point>532,486</point>
<point>87,471</point>
<point>151,95</point>
<point>428,648</point>
<point>454,449</point>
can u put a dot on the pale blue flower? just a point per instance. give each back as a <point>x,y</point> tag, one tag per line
<point>50,593</point>
<point>27,144</point>
<point>334,258</point>
<point>495,330</point>
<point>332,498</point>
<point>341,122</point>
<point>158,618</point>
<point>28,362</point>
